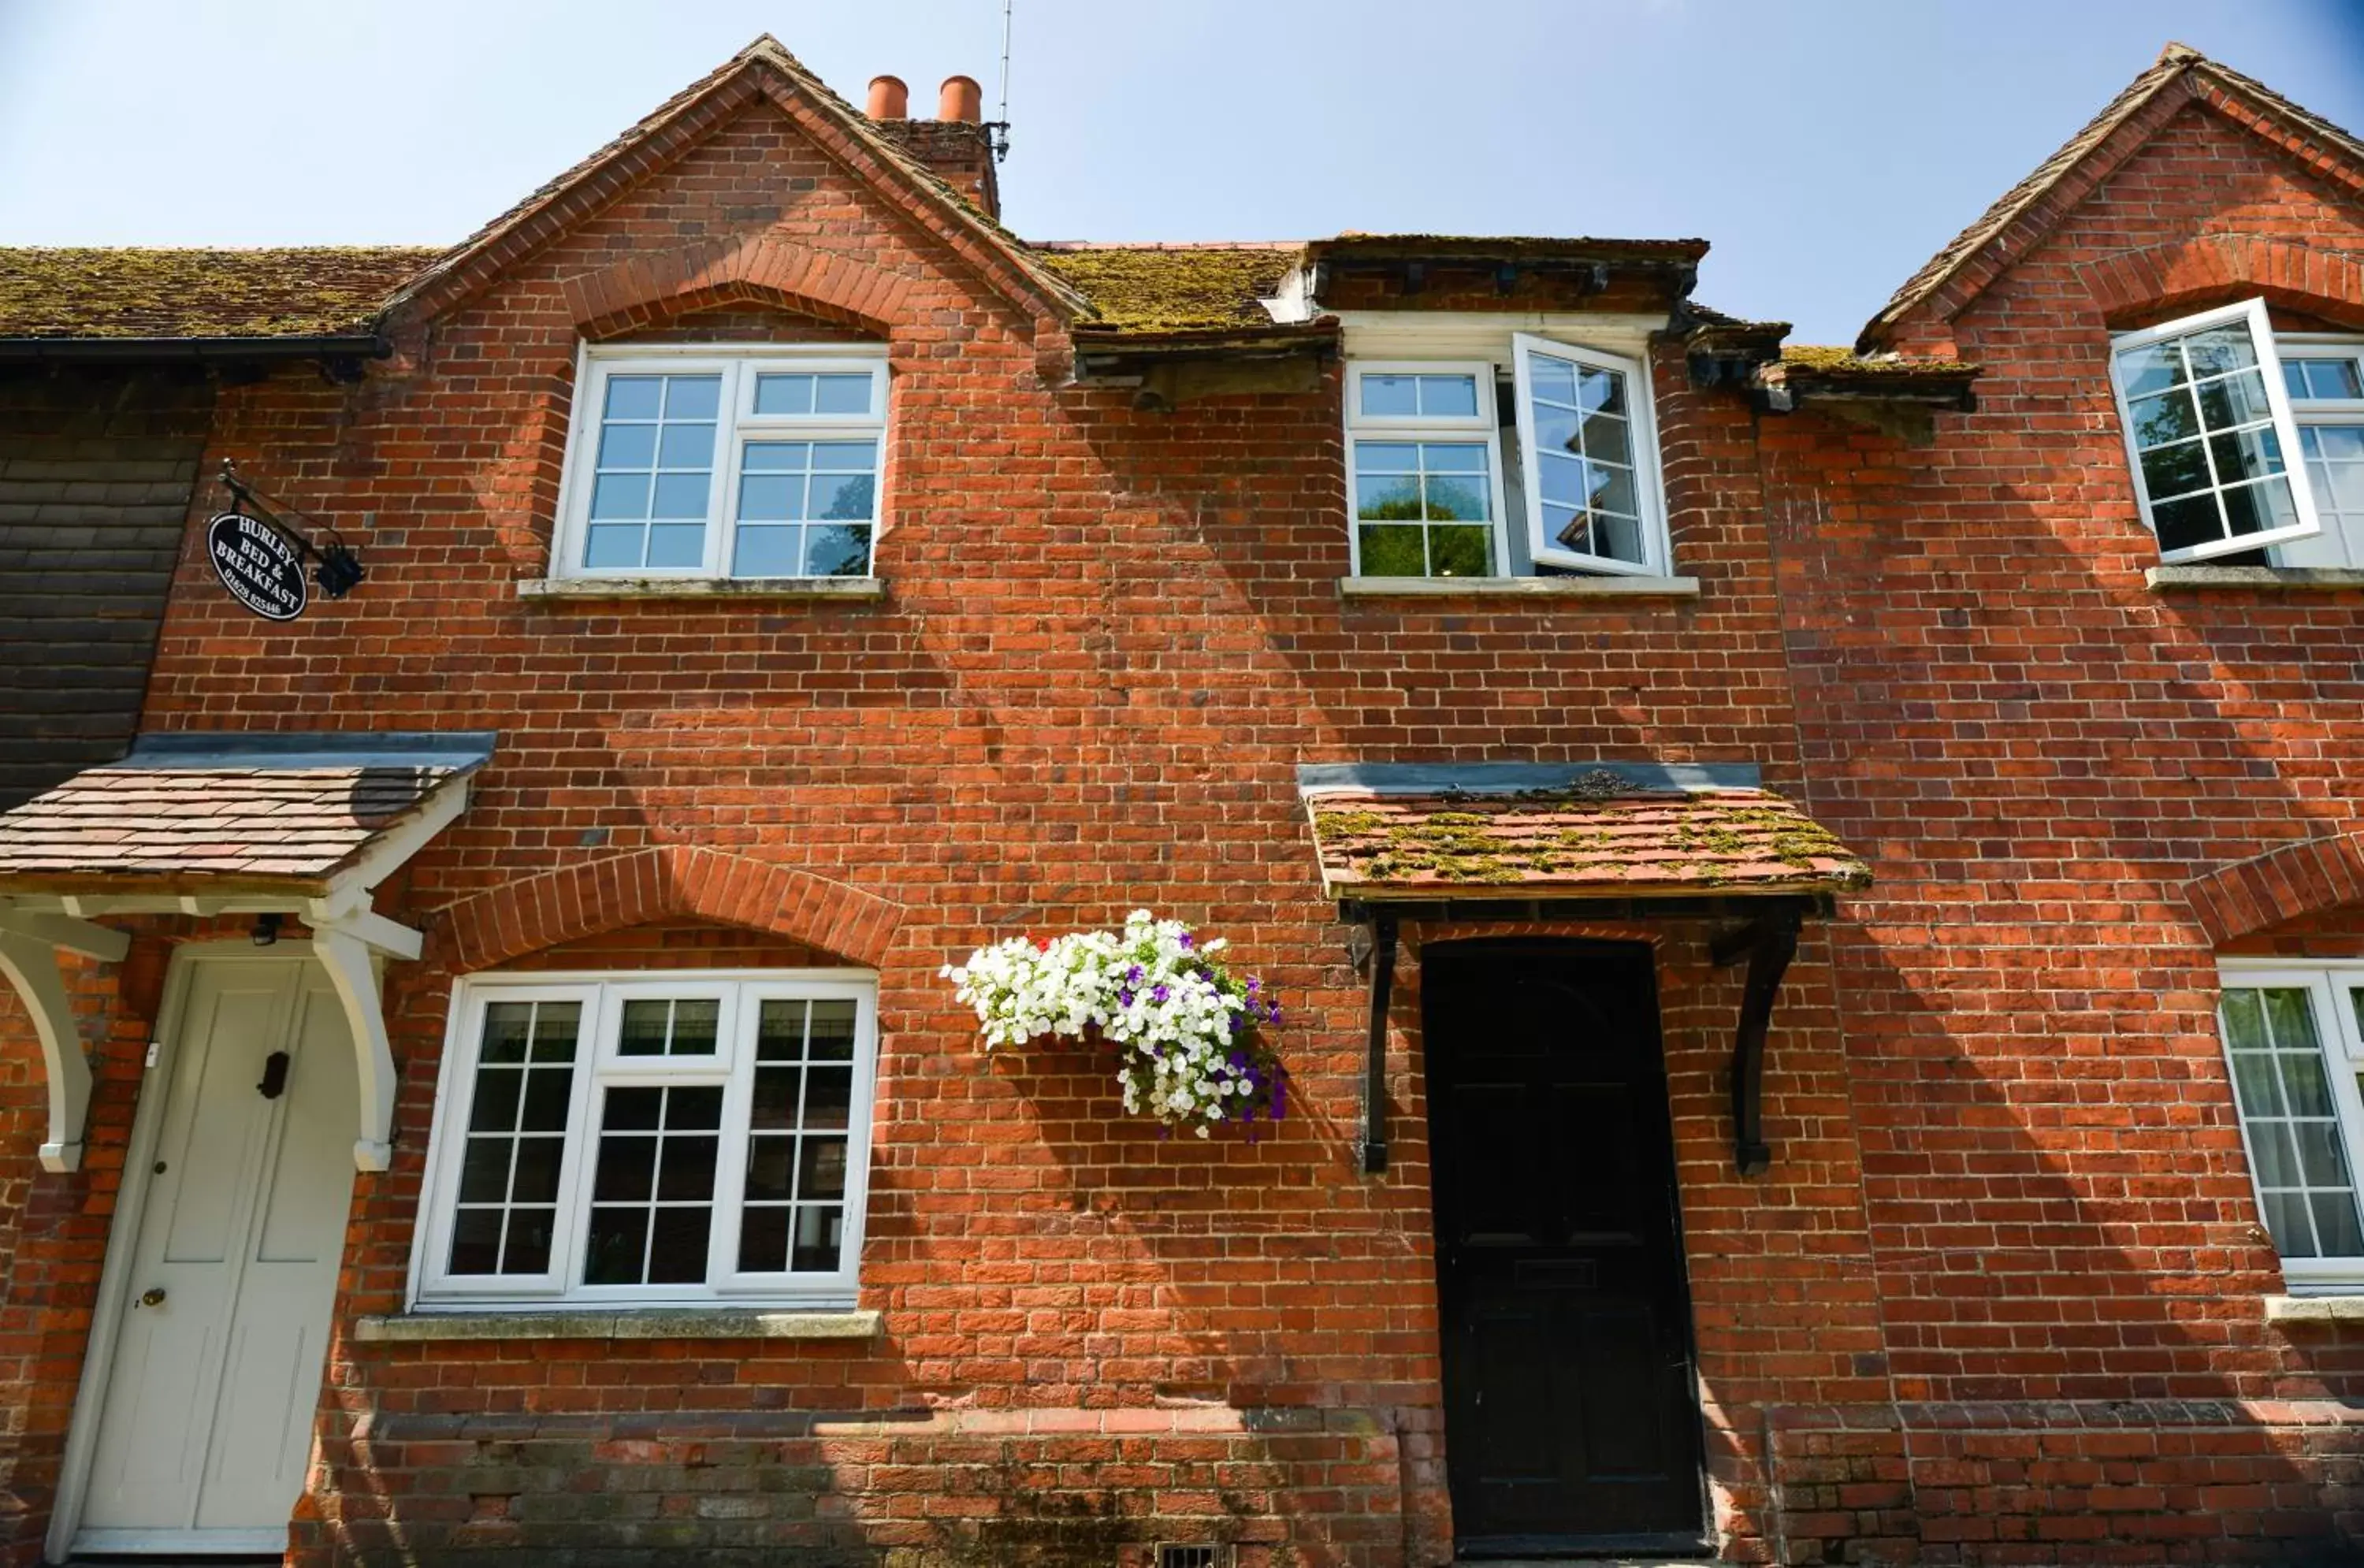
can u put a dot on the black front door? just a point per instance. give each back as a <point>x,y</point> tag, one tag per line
<point>1572,1421</point>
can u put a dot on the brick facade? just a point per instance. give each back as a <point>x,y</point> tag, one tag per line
<point>1997,1300</point>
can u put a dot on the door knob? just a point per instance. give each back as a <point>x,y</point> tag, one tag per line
<point>153,1297</point>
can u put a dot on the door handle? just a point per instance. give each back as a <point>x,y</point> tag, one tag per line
<point>153,1297</point>
<point>274,1076</point>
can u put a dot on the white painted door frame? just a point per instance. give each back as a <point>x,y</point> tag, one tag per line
<point>117,1273</point>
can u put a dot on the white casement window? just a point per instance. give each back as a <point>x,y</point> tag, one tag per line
<point>648,1139</point>
<point>2324,377</point>
<point>1425,463</point>
<point>1590,440</point>
<point>2294,1036</point>
<point>2209,428</point>
<point>724,462</point>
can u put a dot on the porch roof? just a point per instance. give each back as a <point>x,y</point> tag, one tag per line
<point>225,813</point>
<point>1399,833</point>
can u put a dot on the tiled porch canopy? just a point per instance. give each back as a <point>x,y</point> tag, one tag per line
<point>1632,840</point>
<point>226,824</point>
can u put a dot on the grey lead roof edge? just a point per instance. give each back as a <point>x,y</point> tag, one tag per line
<point>1509,778</point>
<point>459,748</point>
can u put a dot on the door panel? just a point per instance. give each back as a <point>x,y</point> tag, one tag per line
<point>205,1424</point>
<point>1571,1410</point>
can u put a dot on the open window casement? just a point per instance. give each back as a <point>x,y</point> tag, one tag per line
<point>1590,440</point>
<point>2209,434</point>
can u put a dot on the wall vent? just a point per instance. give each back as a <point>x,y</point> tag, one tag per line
<point>1172,1556</point>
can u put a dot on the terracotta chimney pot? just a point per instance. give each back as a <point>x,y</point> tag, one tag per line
<point>889,99</point>
<point>961,99</point>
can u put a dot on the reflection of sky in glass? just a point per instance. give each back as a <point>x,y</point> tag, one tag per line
<point>653,471</point>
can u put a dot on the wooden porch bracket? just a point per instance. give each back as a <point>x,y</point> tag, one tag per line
<point>30,946</point>
<point>1768,942</point>
<point>1376,945</point>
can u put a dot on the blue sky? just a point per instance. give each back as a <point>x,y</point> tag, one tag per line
<point>1826,147</point>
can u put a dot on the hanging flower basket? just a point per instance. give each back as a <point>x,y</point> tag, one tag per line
<point>1186,1030</point>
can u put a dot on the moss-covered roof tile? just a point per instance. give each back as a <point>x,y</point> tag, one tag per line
<point>1613,839</point>
<point>1173,288</point>
<point>297,292</point>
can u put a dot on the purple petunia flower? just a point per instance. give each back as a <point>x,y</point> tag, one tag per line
<point>1183,942</point>
<point>1124,998</point>
<point>1280,1095</point>
<point>1253,983</point>
<point>1158,993</point>
<point>1132,977</point>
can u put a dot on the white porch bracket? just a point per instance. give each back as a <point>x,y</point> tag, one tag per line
<point>30,946</point>
<point>348,945</point>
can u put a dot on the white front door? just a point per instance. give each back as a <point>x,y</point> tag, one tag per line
<point>204,1423</point>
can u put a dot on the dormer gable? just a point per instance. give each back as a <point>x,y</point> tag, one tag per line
<point>764,73</point>
<point>1915,317</point>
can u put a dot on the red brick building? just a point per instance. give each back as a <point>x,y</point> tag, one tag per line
<point>1812,891</point>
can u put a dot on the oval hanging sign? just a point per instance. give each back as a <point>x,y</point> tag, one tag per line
<point>263,568</point>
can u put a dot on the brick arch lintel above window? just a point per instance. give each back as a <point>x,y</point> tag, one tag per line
<point>619,891</point>
<point>2290,882</point>
<point>652,286</point>
<point>2140,287</point>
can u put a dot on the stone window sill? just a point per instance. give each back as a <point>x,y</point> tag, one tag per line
<point>701,588</point>
<point>2283,579</point>
<point>2314,1309</point>
<point>658,1323</point>
<point>1518,587</point>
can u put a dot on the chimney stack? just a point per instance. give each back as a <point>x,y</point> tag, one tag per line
<point>889,99</point>
<point>961,99</point>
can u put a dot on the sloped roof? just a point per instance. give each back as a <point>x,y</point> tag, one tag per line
<point>1174,288</point>
<point>303,292</point>
<point>1608,831</point>
<point>2176,65</point>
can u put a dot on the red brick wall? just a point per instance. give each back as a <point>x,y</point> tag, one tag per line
<point>1109,636</point>
<point>2042,753</point>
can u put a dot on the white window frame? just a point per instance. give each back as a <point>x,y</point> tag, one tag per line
<point>2347,413</point>
<point>598,1068</point>
<point>2252,313</point>
<point>1421,426</point>
<point>1642,420</point>
<point>736,424</point>
<point>2335,1025</point>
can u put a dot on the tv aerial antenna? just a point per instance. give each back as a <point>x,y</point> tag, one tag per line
<point>999,126</point>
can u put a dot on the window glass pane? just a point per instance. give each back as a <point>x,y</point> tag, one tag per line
<point>692,397</point>
<point>2177,470</point>
<point>677,545</point>
<point>2170,417</point>
<point>635,396</point>
<point>2220,348</point>
<point>835,549</point>
<point>2145,373</point>
<point>1460,551</point>
<point>842,394</point>
<point>1391,395</point>
<point>2253,508</point>
<point>2193,521</point>
<point>2247,454</point>
<point>627,446</point>
<point>765,552</point>
<point>1394,553</point>
<point>1448,395</point>
<point>524,1081</point>
<point>798,1147</point>
<point>784,395</point>
<point>655,458</point>
<point>1457,499</point>
<point>653,1191</point>
<point>2235,400</point>
<point>2297,1152</point>
<point>2311,380</point>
